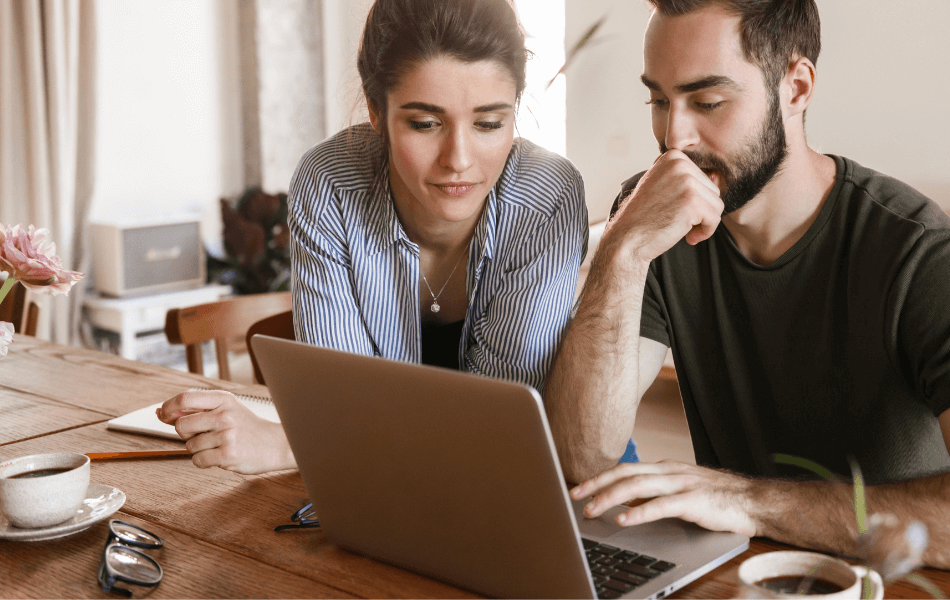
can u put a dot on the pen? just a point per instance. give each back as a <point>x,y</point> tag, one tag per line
<point>142,454</point>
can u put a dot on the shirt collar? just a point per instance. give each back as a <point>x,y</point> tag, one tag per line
<point>383,229</point>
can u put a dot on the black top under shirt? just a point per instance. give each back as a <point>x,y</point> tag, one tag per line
<point>440,344</point>
<point>839,348</point>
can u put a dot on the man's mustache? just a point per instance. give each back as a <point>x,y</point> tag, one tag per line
<point>707,163</point>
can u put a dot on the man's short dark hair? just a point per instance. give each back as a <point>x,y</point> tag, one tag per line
<point>773,33</point>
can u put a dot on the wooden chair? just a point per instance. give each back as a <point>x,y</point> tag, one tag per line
<point>280,325</point>
<point>226,322</point>
<point>667,373</point>
<point>19,309</point>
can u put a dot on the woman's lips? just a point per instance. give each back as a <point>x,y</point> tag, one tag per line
<point>455,189</point>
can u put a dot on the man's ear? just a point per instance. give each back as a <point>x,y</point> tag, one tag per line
<point>798,86</point>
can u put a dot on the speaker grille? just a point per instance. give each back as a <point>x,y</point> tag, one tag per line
<point>161,254</point>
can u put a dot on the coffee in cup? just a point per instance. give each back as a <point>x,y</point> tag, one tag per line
<point>42,490</point>
<point>794,574</point>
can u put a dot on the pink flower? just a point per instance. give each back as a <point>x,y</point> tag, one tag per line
<point>6,337</point>
<point>23,256</point>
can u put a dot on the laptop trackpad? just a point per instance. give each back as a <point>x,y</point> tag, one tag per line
<point>672,540</point>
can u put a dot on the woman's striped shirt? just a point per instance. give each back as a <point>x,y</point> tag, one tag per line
<point>355,273</point>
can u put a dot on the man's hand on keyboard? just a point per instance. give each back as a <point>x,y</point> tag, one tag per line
<point>714,499</point>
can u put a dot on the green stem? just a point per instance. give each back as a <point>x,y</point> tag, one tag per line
<point>924,583</point>
<point>787,459</point>
<point>860,505</point>
<point>6,287</point>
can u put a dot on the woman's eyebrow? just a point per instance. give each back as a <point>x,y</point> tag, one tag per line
<point>492,107</point>
<point>432,108</point>
<point>423,106</point>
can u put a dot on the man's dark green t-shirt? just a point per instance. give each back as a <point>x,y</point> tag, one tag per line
<point>839,348</point>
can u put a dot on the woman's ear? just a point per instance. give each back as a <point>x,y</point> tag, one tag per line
<point>798,86</point>
<point>374,119</point>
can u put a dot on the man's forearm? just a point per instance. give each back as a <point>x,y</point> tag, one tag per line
<point>821,515</point>
<point>591,394</point>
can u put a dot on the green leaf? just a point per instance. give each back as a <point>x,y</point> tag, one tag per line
<point>788,459</point>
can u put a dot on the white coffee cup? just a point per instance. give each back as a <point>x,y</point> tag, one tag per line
<point>794,564</point>
<point>43,489</point>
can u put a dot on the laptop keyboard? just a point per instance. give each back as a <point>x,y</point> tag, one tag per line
<point>617,571</point>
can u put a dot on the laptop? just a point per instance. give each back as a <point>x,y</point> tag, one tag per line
<point>455,476</point>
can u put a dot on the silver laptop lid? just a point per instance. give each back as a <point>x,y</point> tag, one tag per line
<point>444,473</point>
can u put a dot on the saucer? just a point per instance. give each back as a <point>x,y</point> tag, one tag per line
<point>100,503</point>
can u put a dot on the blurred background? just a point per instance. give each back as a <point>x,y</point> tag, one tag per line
<point>137,112</point>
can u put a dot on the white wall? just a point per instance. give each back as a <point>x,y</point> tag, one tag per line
<point>343,22</point>
<point>883,81</point>
<point>541,115</point>
<point>168,119</point>
<point>159,124</point>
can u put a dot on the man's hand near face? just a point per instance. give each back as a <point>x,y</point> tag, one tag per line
<point>603,366</point>
<point>672,201</point>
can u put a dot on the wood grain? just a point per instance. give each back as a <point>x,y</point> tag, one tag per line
<point>218,525</point>
<point>26,415</point>
<point>90,379</point>
<point>232,511</point>
<point>67,568</point>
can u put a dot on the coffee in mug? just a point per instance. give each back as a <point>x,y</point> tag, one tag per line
<point>43,490</point>
<point>794,574</point>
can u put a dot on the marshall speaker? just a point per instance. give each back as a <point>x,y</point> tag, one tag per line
<point>147,259</point>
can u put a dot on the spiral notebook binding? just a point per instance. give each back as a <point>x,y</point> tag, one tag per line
<point>241,396</point>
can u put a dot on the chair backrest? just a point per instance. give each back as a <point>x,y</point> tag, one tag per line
<point>226,322</point>
<point>19,309</point>
<point>280,325</point>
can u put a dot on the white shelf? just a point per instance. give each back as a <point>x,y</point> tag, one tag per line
<point>133,318</point>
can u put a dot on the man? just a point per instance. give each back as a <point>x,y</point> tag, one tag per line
<point>804,298</point>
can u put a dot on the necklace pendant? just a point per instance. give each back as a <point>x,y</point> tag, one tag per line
<point>435,307</point>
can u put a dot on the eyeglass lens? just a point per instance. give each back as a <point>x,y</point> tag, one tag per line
<point>133,564</point>
<point>131,534</point>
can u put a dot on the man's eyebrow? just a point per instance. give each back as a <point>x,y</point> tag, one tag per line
<point>695,86</point>
<point>432,108</point>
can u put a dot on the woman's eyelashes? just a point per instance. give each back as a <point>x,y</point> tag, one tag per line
<point>490,125</point>
<point>432,125</point>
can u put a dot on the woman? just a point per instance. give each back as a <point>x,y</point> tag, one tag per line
<point>428,235</point>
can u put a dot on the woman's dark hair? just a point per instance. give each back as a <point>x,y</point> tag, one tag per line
<point>401,34</point>
<point>773,33</point>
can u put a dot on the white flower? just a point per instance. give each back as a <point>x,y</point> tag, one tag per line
<point>891,548</point>
<point>6,337</point>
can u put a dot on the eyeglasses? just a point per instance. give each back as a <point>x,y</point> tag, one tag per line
<point>301,519</point>
<point>121,561</point>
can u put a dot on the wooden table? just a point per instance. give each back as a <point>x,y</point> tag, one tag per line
<point>217,525</point>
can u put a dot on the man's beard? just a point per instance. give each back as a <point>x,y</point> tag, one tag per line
<point>754,167</point>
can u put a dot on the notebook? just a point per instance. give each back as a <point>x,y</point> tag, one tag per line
<point>145,422</point>
<point>455,476</point>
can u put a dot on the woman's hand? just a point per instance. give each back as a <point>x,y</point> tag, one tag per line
<point>222,432</point>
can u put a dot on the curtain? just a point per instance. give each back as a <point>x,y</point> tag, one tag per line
<point>47,128</point>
